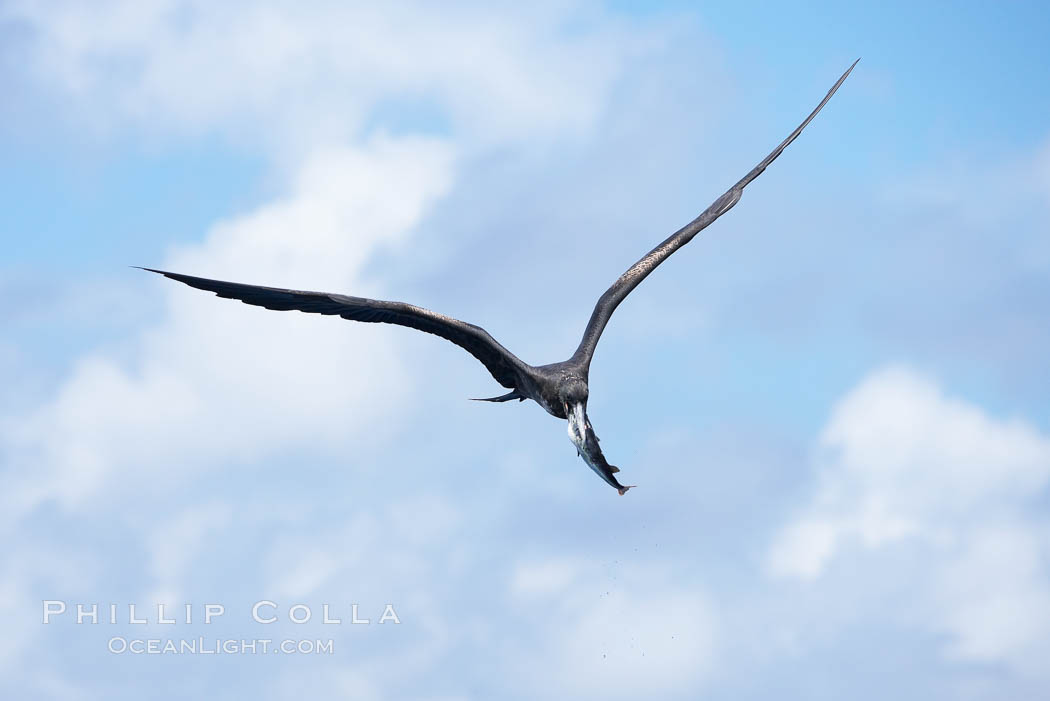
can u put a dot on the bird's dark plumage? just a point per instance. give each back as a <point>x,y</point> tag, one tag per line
<point>560,388</point>
<point>503,364</point>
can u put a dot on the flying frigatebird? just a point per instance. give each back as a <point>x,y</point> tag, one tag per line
<point>560,388</point>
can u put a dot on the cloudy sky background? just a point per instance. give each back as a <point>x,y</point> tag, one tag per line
<point>834,401</point>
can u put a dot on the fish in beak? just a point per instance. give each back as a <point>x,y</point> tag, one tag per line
<point>582,436</point>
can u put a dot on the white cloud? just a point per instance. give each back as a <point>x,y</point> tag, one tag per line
<point>636,633</point>
<point>543,578</point>
<point>32,571</point>
<point>216,381</point>
<point>636,644</point>
<point>294,73</point>
<point>901,463</point>
<point>175,542</point>
<point>403,552</point>
<point>804,547</point>
<point>393,538</point>
<point>994,597</point>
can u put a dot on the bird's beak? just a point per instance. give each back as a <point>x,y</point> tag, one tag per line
<point>577,415</point>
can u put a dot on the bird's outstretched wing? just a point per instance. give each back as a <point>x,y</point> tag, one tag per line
<point>608,302</point>
<point>503,364</point>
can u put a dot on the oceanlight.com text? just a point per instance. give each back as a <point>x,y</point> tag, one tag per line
<point>119,645</point>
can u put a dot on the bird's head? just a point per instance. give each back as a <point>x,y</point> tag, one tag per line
<point>573,393</point>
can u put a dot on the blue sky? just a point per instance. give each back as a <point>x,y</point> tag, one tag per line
<point>834,401</point>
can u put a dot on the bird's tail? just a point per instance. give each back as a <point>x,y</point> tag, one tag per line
<point>513,394</point>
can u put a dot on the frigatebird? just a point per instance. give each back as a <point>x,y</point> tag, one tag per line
<point>560,388</point>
